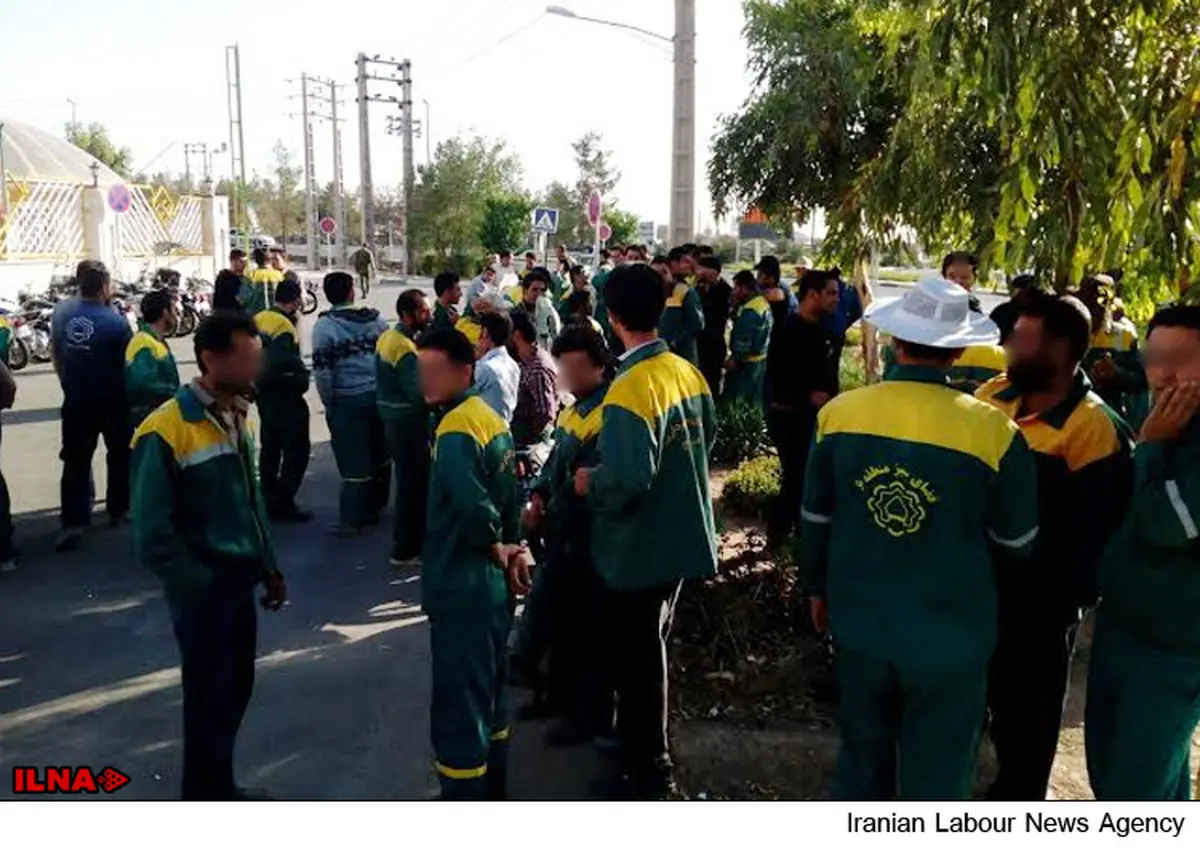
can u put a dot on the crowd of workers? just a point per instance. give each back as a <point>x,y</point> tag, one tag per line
<point>952,522</point>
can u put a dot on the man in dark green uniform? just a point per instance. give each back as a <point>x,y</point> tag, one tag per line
<point>471,558</point>
<point>910,488</point>
<point>747,368</point>
<point>683,316</point>
<point>1112,362</point>
<point>199,524</point>
<point>447,287</point>
<point>405,422</point>
<point>1084,471</point>
<point>151,375</point>
<point>1143,698</point>
<point>652,514</point>
<point>282,407</point>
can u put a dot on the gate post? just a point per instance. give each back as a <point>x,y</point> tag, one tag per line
<point>99,228</point>
<point>214,233</point>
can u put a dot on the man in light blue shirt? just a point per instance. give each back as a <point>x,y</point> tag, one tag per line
<point>497,375</point>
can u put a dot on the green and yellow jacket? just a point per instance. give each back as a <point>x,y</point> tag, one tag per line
<point>284,372</point>
<point>473,504</point>
<point>1119,342</point>
<point>444,318</point>
<point>975,367</point>
<point>569,521</point>
<point>751,331</point>
<point>1084,475</point>
<point>653,520</point>
<point>260,289</point>
<point>197,509</point>
<point>1150,574</point>
<point>598,283</point>
<point>397,390</point>
<point>151,375</point>
<point>681,322</point>
<point>909,487</point>
<point>6,335</point>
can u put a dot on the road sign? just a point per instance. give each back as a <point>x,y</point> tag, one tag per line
<point>119,198</point>
<point>605,231</point>
<point>754,225</point>
<point>646,232</point>
<point>595,209</point>
<point>328,226</point>
<point>545,221</point>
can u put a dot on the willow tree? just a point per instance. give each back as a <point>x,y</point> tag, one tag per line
<point>813,130</point>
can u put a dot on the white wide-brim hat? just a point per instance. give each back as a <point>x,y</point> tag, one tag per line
<point>935,313</point>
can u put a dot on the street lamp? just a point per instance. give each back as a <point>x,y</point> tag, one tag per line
<point>683,140</point>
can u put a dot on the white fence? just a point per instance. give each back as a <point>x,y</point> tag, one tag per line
<point>154,219</point>
<point>44,221</point>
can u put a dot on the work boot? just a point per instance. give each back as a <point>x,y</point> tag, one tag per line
<point>68,539</point>
<point>289,514</point>
<point>402,563</point>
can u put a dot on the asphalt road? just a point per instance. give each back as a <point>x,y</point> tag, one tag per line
<point>89,669</point>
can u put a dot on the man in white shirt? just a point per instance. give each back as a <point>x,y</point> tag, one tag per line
<point>506,274</point>
<point>497,375</point>
<point>481,285</point>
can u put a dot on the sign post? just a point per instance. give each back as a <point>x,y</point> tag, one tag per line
<point>328,227</point>
<point>545,224</point>
<point>595,209</point>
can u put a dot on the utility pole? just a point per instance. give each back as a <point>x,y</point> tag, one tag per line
<point>406,115</point>
<point>310,197</point>
<point>339,193</point>
<point>683,143</point>
<point>311,98</point>
<point>364,132</point>
<point>199,148</point>
<point>237,158</point>
<point>428,135</point>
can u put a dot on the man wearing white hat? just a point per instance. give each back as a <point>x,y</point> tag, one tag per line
<point>911,488</point>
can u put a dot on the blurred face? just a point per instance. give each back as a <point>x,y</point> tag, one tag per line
<point>765,281</point>
<point>454,293</point>
<point>664,270</point>
<point>529,260</point>
<point>422,316</point>
<point>506,261</point>
<point>578,374</point>
<point>277,260</point>
<point>742,294</point>
<point>238,265</point>
<point>578,281</point>
<point>442,380</point>
<point>534,291</point>
<point>1172,358</point>
<point>617,257</point>
<point>961,273</point>
<point>234,371</point>
<point>827,298</point>
<point>172,317</point>
<point>489,275</point>
<point>1033,358</point>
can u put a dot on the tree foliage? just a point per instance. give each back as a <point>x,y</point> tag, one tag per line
<point>94,139</point>
<point>505,223</point>
<point>624,226</point>
<point>595,173</point>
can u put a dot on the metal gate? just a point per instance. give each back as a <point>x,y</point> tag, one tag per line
<point>44,221</point>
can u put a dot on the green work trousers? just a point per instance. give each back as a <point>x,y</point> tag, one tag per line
<point>283,459</point>
<point>1143,704</point>
<point>408,445</point>
<point>745,383</point>
<point>468,715</point>
<point>916,727</point>
<point>360,450</point>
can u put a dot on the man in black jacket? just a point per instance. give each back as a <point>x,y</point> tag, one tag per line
<point>716,298</point>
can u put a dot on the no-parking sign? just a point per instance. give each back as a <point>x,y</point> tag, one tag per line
<point>119,198</point>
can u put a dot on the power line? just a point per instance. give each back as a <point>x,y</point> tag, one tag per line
<point>502,40</point>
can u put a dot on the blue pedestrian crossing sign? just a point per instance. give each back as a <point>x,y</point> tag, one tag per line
<point>545,221</point>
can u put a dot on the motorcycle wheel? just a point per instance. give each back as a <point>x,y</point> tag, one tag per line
<point>308,304</point>
<point>18,355</point>
<point>187,322</point>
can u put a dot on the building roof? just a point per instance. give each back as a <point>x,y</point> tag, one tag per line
<point>32,154</point>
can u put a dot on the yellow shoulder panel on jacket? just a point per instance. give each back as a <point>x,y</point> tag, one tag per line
<point>656,385</point>
<point>191,442</point>
<point>758,304</point>
<point>393,346</point>
<point>470,328</point>
<point>272,325</point>
<point>1089,434</point>
<point>4,323</point>
<point>983,356</point>
<point>1118,339</point>
<point>144,341</point>
<point>265,275</point>
<point>677,295</point>
<point>921,413</point>
<point>474,418</point>
<point>582,427</point>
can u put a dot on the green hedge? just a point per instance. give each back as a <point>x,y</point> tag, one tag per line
<point>741,433</point>
<point>752,487</point>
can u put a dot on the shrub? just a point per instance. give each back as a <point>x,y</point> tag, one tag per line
<point>753,487</point>
<point>741,433</point>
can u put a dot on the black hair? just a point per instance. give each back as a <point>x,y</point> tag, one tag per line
<point>710,261</point>
<point>944,355</point>
<point>1176,315</point>
<point>226,289</point>
<point>259,256</point>
<point>237,253</point>
<point>769,265</point>
<point>815,281</point>
<point>497,326</point>
<point>634,294</point>
<point>604,252</point>
<point>409,302</point>
<point>535,274</point>
<point>960,257</point>
<point>338,287</point>
<point>505,254</point>
<point>451,342</point>
<point>659,259</point>
<point>703,250</point>
<point>522,325</point>
<point>746,279</point>
<point>1063,317</point>
<point>529,254</point>
<point>287,292</point>
<point>577,301</point>
<point>689,248</point>
<point>444,281</point>
<point>579,338</point>
<point>617,247</point>
<point>1024,281</point>
<point>91,275</point>
<point>155,304</point>
<point>578,269</point>
<point>217,331</point>
<point>677,253</point>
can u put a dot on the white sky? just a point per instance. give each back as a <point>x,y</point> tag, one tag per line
<point>154,74</point>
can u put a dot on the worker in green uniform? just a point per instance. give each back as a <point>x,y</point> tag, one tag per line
<point>1113,362</point>
<point>405,422</point>
<point>909,490</point>
<point>598,282</point>
<point>260,283</point>
<point>281,406</point>
<point>1143,695</point>
<point>344,341</point>
<point>747,367</point>
<point>652,522</point>
<point>471,559</point>
<point>447,288</point>
<point>683,317</point>
<point>151,375</point>
<point>1081,448</point>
